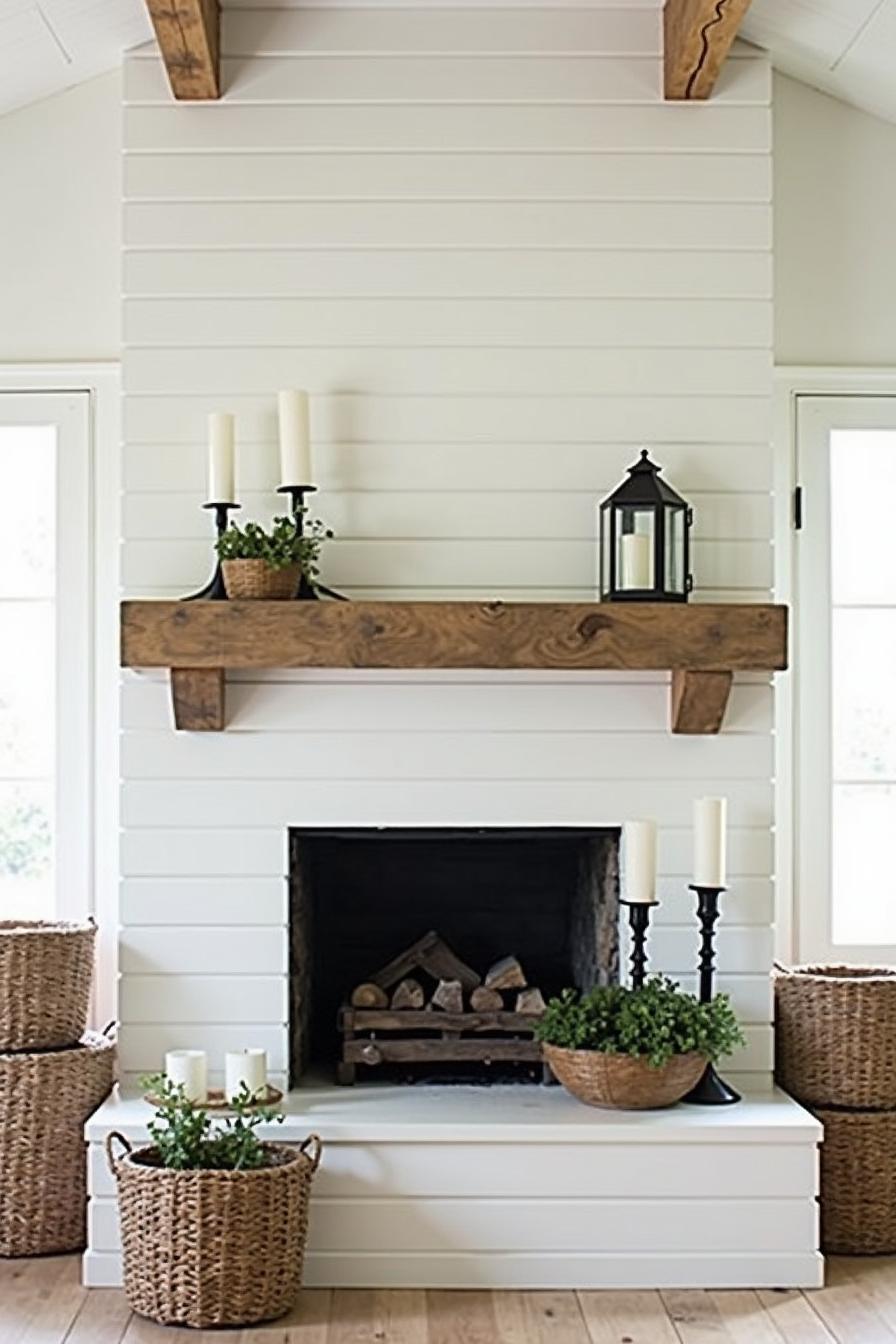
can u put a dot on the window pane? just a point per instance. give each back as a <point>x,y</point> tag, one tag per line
<point>27,689</point>
<point>863,539</point>
<point>28,486</point>
<point>864,875</point>
<point>26,850</point>
<point>863,643</point>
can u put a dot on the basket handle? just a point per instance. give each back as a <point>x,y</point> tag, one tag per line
<point>312,1148</point>
<point>113,1160</point>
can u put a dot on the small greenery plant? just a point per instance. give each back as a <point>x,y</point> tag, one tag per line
<point>658,1021</point>
<point>280,547</point>
<point>186,1138</point>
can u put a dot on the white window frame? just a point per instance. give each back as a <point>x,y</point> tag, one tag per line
<point>802,906</point>
<point>88,675</point>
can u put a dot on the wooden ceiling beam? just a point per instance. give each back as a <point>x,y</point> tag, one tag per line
<point>697,36</point>
<point>188,35</point>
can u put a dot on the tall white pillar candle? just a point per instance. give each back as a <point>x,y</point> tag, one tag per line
<point>221,485</point>
<point>188,1069</point>
<point>245,1066</point>
<point>639,861</point>
<point>295,438</point>
<point>710,815</point>
<point>635,560</point>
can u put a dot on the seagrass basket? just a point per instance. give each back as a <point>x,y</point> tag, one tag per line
<point>46,973</point>
<point>624,1082</point>
<point>204,1248</point>
<point>858,1181</point>
<point>256,580</point>
<point>835,1035</point>
<point>45,1098</point>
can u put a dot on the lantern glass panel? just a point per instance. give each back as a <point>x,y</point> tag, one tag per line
<point>676,524</point>
<point>635,548</point>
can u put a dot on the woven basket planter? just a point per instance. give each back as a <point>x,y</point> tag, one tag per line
<point>46,972</point>
<point>624,1082</point>
<point>256,580</point>
<point>45,1099</point>
<point>205,1248</point>
<point>835,1035</point>
<point>858,1182</point>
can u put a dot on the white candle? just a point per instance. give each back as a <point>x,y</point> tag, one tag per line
<point>639,861</point>
<point>709,841</point>
<point>636,559</point>
<point>295,438</point>
<point>221,486</point>
<point>188,1069</point>
<point>245,1066</point>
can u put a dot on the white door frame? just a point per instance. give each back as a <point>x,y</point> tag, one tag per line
<point>791,383</point>
<point>101,381</point>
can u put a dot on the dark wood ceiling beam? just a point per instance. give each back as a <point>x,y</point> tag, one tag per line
<point>188,35</point>
<point>697,36</point>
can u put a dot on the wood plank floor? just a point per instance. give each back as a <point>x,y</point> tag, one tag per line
<point>42,1302</point>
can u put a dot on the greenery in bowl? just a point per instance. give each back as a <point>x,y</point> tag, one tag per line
<point>280,547</point>
<point>658,1021</point>
<point>185,1137</point>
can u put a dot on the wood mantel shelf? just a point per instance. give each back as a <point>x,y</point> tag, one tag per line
<point>701,645</point>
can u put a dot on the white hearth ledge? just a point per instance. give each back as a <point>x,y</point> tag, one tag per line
<point>511,1187</point>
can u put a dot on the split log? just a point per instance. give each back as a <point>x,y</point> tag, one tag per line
<point>431,954</point>
<point>408,994</point>
<point>505,974</point>
<point>449,995</point>
<point>530,1002</point>
<point>369,995</point>
<point>484,1000</point>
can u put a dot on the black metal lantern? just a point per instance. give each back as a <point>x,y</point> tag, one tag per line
<point>644,539</point>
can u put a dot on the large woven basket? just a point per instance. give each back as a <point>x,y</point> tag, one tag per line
<point>835,1035</point>
<point>46,973</point>
<point>626,1082</point>
<point>257,580</point>
<point>205,1248</point>
<point>45,1099</point>
<point>858,1182</point>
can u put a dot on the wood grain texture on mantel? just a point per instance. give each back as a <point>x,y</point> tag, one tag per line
<point>691,641</point>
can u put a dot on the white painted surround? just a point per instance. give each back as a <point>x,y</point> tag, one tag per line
<point>500,264</point>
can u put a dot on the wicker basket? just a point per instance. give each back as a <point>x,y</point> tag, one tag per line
<point>835,1035</point>
<point>624,1082</point>
<point>45,1099</point>
<point>256,580</point>
<point>206,1248</point>
<point>858,1182</point>
<point>46,972</point>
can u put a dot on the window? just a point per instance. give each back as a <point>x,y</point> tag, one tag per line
<point>45,643</point>
<point>846,669</point>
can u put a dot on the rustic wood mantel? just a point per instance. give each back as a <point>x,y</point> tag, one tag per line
<point>701,645</point>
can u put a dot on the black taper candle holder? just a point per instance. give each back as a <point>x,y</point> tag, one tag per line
<point>308,591</point>
<point>711,1089</point>
<point>639,922</point>
<point>214,590</point>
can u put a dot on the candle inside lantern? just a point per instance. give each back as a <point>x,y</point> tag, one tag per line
<point>295,437</point>
<point>249,1067</point>
<point>639,861</point>
<point>635,561</point>
<point>221,486</point>
<point>709,841</point>
<point>188,1069</point>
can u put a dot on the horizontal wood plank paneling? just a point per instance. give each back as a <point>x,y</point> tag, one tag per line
<point>499,263</point>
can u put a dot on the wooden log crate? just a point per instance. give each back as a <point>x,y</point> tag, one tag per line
<point>389,1018</point>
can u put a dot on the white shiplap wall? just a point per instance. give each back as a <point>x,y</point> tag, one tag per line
<point>500,264</point>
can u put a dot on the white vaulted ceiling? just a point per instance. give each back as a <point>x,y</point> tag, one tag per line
<point>844,47</point>
<point>48,45</point>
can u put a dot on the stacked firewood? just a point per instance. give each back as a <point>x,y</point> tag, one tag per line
<point>503,988</point>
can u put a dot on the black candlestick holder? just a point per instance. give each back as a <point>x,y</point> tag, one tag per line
<point>308,591</point>
<point>711,1089</point>
<point>214,590</point>
<point>639,922</point>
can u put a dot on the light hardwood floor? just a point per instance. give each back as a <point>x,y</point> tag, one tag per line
<point>42,1302</point>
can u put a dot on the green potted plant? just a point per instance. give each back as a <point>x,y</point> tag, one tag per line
<point>213,1220</point>
<point>634,1049</point>
<point>270,564</point>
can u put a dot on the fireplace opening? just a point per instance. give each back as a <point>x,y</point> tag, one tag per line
<point>415,923</point>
